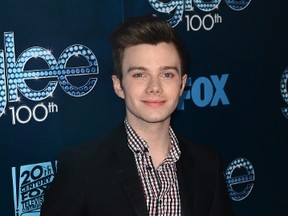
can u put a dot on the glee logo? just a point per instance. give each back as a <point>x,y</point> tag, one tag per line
<point>240,172</point>
<point>13,75</point>
<point>196,22</point>
<point>284,91</point>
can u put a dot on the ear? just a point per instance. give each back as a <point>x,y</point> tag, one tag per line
<point>183,83</point>
<point>117,86</point>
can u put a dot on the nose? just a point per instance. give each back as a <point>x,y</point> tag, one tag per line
<point>154,86</point>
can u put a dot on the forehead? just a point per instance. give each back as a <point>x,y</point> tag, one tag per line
<point>147,54</point>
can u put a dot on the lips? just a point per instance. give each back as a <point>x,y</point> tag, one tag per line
<point>154,103</point>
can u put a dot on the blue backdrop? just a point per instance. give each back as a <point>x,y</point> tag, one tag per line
<point>56,90</point>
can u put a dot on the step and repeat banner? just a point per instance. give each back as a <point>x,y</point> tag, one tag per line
<point>56,90</point>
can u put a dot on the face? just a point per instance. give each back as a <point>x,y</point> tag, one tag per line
<point>151,83</point>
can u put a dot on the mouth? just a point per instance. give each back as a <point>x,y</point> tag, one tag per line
<point>154,103</point>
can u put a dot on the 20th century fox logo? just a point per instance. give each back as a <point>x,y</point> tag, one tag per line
<point>29,184</point>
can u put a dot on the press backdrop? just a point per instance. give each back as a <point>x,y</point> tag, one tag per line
<point>56,90</point>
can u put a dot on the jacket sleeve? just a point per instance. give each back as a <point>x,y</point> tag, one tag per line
<point>201,181</point>
<point>221,203</point>
<point>65,196</point>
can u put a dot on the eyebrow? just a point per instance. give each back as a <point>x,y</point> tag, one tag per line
<point>169,68</point>
<point>132,68</point>
<point>162,68</point>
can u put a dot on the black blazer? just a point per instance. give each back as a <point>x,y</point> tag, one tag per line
<point>101,179</point>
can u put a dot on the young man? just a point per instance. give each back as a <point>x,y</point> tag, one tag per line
<point>142,168</point>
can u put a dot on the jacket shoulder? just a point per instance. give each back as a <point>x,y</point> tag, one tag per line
<point>204,159</point>
<point>198,151</point>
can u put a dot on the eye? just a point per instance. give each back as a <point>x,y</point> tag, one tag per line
<point>138,75</point>
<point>168,75</point>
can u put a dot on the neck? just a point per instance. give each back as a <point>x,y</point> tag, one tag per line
<point>157,137</point>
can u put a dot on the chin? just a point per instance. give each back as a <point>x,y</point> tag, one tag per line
<point>155,119</point>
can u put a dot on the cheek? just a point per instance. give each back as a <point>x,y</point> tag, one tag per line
<point>129,92</point>
<point>133,88</point>
<point>174,89</point>
<point>176,96</point>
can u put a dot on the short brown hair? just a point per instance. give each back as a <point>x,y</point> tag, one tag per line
<point>143,30</point>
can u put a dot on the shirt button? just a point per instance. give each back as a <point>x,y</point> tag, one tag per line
<point>148,168</point>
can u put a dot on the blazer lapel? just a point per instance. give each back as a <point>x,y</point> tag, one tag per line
<point>185,173</point>
<point>126,170</point>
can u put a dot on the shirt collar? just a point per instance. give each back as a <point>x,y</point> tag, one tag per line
<point>138,145</point>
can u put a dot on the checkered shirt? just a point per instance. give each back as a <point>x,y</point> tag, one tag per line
<point>160,184</point>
